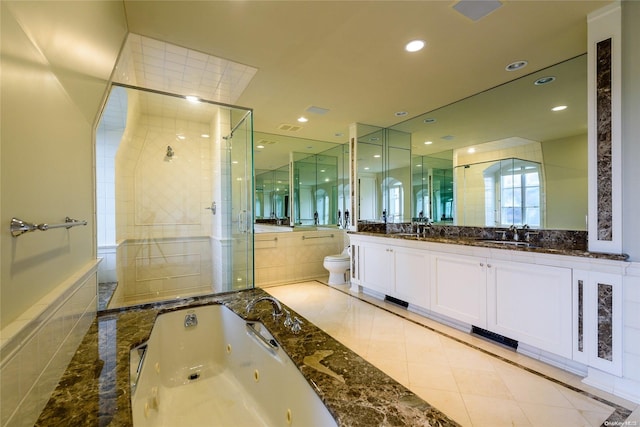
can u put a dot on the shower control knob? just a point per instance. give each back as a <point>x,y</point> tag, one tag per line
<point>212,208</point>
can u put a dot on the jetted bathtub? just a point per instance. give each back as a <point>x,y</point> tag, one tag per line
<point>206,366</point>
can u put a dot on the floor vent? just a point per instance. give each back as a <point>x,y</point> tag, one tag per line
<point>501,339</point>
<point>396,301</point>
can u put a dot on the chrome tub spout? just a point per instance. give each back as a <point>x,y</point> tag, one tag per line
<point>277,308</point>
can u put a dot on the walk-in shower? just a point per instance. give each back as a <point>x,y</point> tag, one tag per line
<point>174,196</point>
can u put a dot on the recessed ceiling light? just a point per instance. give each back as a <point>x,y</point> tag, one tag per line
<point>366,169</point>
<point>205,135</point>
<point>259,146</point>
<point>303,119</point>
<point>559,108</point>
<point>401,113</point>
<point>428,142</point>
<point>544,80</point>
<point>429,120</point>
<point>181,137</point>
<point>517,65</point>
<point>414,45</point>
<point>192,98</point>
<point>322,170</point>
<point>471,150</point>
<point>418,166</point>
<point>235,162</point>
<point>377,156</point>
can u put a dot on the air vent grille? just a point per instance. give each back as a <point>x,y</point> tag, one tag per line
<point>289,128</point>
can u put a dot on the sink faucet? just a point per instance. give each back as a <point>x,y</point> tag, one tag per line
<point>514,230</point>
<point>277,308</point>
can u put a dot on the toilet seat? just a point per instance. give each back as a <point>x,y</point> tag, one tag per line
<point>337,258</point>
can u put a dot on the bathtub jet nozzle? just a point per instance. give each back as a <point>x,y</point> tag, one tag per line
<point>190,320</point>
<point>277,308</point>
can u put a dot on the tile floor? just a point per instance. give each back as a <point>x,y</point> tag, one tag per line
<point>473,381</point>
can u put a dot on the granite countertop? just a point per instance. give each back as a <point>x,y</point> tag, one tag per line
<point>95,390</point>
<point>495,243</point>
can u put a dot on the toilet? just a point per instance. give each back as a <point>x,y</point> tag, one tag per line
<point>337,265</point>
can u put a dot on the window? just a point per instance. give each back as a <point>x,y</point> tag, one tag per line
<point>513,194</point>
<point>394,191</point>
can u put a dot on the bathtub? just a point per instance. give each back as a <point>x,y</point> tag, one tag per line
<point>206,366</point>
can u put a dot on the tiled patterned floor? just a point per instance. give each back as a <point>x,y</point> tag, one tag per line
<point>475,382</point>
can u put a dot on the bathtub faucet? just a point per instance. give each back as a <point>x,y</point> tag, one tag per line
<point>277,308</point>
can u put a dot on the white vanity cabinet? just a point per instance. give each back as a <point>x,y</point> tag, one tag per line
<point>398,271</point>
<point>565,310</point>
<point>528,303</point>
<point>376,261</point>
<point>531,304</point>
<point>459,288</point>
<point>411,276</point>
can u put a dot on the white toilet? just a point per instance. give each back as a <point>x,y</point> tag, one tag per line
<point>337,265</point>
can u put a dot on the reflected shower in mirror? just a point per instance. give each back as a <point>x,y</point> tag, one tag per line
<point>300,182</point>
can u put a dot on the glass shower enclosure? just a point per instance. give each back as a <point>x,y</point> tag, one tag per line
<point>174,197</point>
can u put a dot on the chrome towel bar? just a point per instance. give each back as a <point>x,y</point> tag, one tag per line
<point>19,226</point>
<point>317,237</point>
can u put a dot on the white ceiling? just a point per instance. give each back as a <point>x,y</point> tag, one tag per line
<point>348,57</point>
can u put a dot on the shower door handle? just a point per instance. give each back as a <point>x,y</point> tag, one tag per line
<point>212,208</point>
<point>242,222</point>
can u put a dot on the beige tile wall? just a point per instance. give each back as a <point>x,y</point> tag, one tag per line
<point>37,347</point>
<point>287,257</point>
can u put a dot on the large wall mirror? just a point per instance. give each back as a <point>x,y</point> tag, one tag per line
<point>505,156</point>
<point>300,182</point>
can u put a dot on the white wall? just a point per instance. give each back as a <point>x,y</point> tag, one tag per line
<point>57,58</point>
<point>51,96</point>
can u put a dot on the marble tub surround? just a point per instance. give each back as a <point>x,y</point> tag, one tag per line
<point>567,242</point>
<point>95,389</point>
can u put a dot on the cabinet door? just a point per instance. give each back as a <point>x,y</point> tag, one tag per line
<point>377,267</point>
<point>412,276</point>
<point>532,304</point>
<point>598,320</point>
<point>459,288</point>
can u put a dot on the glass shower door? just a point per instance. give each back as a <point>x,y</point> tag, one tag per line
<point>240,145</point>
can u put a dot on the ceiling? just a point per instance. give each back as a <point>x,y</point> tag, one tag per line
<point>348,57</point>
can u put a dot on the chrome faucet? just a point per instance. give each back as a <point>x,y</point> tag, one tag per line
<point>513,229</point>
<point>277,308</point>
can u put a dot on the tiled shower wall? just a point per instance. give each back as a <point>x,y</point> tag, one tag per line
<point>162,224</point>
